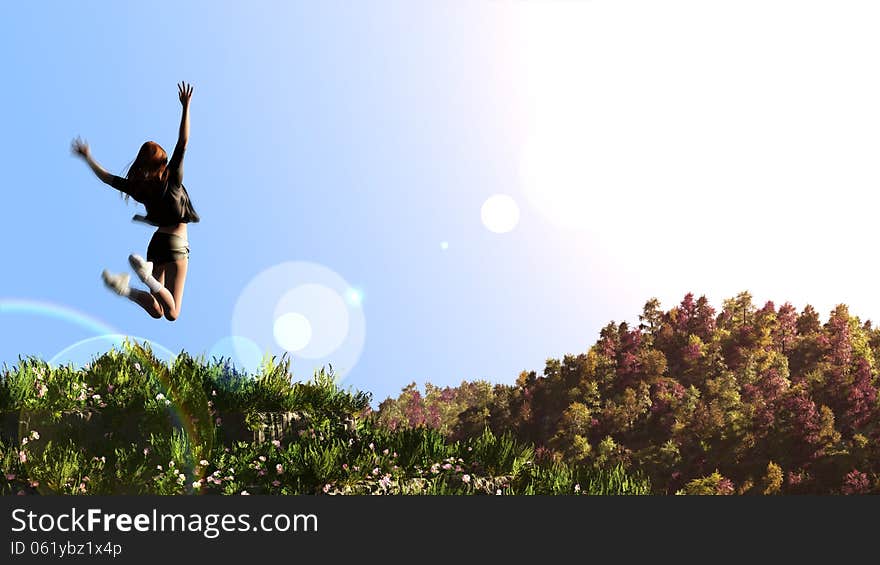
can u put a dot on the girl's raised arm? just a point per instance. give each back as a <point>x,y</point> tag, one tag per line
<point>175,165</point>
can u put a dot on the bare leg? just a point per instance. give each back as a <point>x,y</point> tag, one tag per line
<point>146,301</point>
<point>173,277</point>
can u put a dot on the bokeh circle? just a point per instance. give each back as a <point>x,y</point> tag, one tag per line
<point>305,310</point>
<point>500,213</point>
<point>293,331</point>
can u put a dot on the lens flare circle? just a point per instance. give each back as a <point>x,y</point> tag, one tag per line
<point>292,330</point>
<point>323,310</point>
<point>500,213</point>
<point>305,310</point>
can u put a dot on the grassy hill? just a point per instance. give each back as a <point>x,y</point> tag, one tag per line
<point>746,400</point>
<point>130,424</point>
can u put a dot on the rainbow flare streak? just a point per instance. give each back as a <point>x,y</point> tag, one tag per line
<point>56,311</point>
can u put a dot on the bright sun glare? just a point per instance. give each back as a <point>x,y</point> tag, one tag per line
<point>694,128</point>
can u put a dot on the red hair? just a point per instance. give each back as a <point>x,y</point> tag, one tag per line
<point>150,164</point>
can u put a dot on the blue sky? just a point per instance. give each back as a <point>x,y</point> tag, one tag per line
<point>690,146</point>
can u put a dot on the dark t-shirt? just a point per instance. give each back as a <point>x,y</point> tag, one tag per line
<point>167,202</point>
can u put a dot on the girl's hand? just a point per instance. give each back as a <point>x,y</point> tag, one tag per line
<point>185,92</point>
<point>80,147</point>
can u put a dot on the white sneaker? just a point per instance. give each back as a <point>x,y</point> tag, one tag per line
<point>143,269</point>
<point>116,283</point>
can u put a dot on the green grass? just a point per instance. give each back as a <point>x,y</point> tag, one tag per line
<point>131,424</point>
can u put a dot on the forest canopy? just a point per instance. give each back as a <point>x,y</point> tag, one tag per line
<point>749,399</point>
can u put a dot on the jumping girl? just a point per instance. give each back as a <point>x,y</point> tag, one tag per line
<point>157,183</point>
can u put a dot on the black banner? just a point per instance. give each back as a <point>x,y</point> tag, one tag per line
<point>411,529</point>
